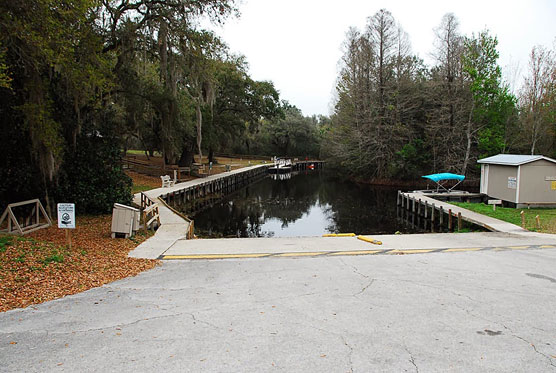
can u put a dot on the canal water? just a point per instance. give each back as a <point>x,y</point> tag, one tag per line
<point>309,203</point>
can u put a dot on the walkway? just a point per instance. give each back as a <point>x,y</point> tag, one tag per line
<point>173,227</point>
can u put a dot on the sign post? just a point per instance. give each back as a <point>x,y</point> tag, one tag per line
<point>494,202</point>
<point>66,218</point>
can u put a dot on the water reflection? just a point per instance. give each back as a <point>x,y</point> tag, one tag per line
<point>285,176</point>
<point>305,204</point>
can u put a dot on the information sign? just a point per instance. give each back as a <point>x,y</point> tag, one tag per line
<point>66,215</point>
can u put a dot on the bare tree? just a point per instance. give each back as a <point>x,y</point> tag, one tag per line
<point>537,98</point>
<point>451,98</point>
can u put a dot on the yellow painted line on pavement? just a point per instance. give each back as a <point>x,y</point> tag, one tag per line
<point>462,249</point>
<point>215,256</point>
<point>348,252</point>
<point>411,251</point>
<point>356,252</point>
<point>303,253</point>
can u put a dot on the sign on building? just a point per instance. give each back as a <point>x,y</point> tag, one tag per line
<point>66,215</point>
<point>512,182</point>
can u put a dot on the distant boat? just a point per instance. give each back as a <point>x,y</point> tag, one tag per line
<point>281,166</point>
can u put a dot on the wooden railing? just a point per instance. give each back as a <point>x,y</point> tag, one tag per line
<point>190,232</point>
<point>20,221</point>
<point>150,212</point>
<point>147,168</point>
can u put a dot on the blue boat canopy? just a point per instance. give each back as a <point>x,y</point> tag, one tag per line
<point>444,176</point>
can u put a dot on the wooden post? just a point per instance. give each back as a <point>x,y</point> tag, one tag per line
<point>441,213</point>
<point>522,219</point>
<point>538,219</point>
<point>413,205</point>
<point>68,237</point>
<point>432,212</point>
<point>450,220</point>
<point>398,198</point>
<point>426,210</point>
<point>419,207</point>
<point>459,221</point>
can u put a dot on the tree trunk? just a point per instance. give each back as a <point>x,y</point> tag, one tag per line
<point>469,137</point>
<point>199,134</point>
<point>211,155</point>
<point>186,158</point>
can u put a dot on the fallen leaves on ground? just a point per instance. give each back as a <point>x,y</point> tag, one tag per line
<point>142,179</point>
<point>40,266</point>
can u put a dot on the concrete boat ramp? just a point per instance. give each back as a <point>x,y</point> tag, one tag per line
<point>170,241</point>
<point>243,248</point>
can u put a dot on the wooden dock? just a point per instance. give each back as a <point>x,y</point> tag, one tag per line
<point>305,165</point>
<point>451,216</point>
<point>174,225</point>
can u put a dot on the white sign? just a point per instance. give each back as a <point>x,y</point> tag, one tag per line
<point>66,215</point>
<point>550,178</point>
<point>512,182</point>
<point>494,202</point>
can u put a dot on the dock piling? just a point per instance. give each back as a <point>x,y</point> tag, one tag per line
<point>441,216</point>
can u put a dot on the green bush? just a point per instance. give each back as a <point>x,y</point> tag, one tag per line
<point>92,176</point>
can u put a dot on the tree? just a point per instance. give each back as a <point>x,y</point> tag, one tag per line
<point>51,53</point>
<point>379,99</point>
<point>538,100</point>
<point>290,134</point>
<point>69,68</point>
<point>449,97</point>
<point>241,103</point>
<point>491,101</point>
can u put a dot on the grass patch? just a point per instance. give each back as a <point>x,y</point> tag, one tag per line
<point>140,188</point>
<point>511,215</point>
<point>5,241</point>
<point>55,257</point>
<point>142,152</point>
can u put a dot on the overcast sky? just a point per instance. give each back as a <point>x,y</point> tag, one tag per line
<point>297,43</point>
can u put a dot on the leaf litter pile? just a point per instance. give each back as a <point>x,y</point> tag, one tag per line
<point>40,266</point>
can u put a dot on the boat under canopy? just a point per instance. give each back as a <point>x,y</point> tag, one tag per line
<point>439,178</point>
